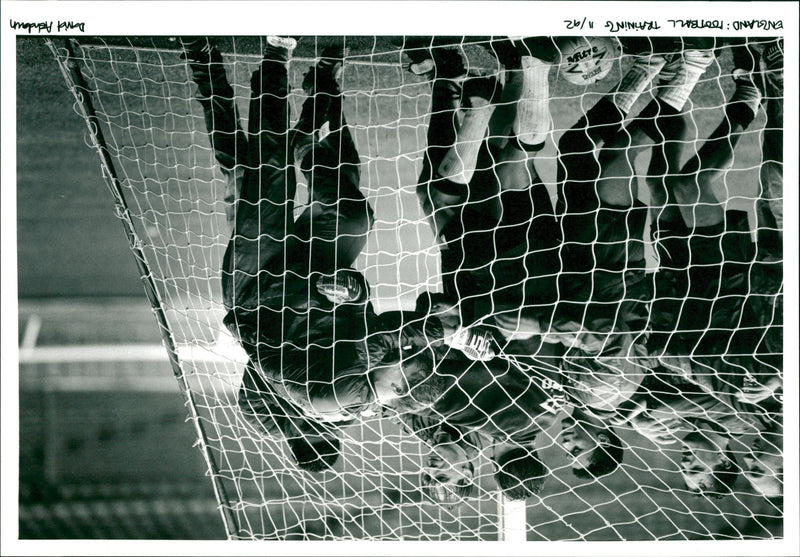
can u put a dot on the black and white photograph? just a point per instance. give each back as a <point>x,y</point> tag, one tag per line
<point>391,272</point>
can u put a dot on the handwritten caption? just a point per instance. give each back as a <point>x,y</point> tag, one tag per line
<point>654,25</point>
<point>47,26</point>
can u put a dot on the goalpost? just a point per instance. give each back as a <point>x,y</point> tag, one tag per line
<point>139,103</point>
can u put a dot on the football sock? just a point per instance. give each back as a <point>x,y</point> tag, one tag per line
<point>279,48</point>
<point>533,122</point>
<point>641,74</point>
<point>458,164</point>
<point>676,87</point>
<point>743,106</point>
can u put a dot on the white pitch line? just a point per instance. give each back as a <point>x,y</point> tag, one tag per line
<point>225,354</point>
<point>222,387</point>
<point>31,334</point>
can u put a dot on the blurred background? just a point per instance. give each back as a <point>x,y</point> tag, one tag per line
<point>105,450</point>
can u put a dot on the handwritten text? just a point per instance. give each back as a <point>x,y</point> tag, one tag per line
<point>47,26</point>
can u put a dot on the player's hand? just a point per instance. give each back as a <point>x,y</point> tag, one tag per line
<point>513,325</point>
<point>339,289</point>
<point>658,430</point>
<point>619,419</point>
<point>754,392</point>
<point>475,342</point>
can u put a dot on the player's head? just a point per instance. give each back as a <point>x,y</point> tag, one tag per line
<point>315,452</point>
<point>595,450</point>
<point>448,471</point>
<point>707,469</point>
<point>764,465</point>
<point>408,383</point>
<point>519,472</point>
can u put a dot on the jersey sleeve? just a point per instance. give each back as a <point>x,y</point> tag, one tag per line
<point>260,407</point>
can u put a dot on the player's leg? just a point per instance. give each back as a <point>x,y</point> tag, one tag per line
<point>479,95</point>
<point>446,202</point>
<point>666,124</point>
<point>603,256</point>
<point>460,113</point>
<point>440,199</point>
<point>663,117</point>
<point>522,120</point>
<point>578,165</point>
<point>525,249</point>
<point>264,210</point>
<point>339,217</point>
<point>321,129</point>
<point>519,128</point>
<point>672,132</point>
<point>527,231</point>
<point>527,91</point>
<point>520,245</point>
<point>601,231</point>
<point>753,289</point>
<point>694,186</point>
<point>216,97</point>
<point>675,132</point>
<point>705,256</point>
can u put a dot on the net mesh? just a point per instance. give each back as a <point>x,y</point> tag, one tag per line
<point>154,131</point>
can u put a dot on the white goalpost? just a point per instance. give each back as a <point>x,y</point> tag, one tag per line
<point>143,119</point>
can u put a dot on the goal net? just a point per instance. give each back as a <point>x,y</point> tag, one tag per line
<point>140,102</point>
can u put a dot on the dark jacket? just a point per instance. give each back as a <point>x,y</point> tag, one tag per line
<point>497,399</point>
<point>318,356</point>
<point>271,416</point>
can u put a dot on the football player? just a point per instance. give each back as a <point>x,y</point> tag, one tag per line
<point>293,300</point>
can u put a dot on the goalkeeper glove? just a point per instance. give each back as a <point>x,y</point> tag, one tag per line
<point>474,342</point>
<point>340,288</point>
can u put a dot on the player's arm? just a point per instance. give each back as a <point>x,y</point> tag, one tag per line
<point>754,392</point>
<point>661,428</point>
<point>527,322</point>
<point>424,427</point>
<point>661,417</point>
<point>392,334</point>
<point>516,323</point>
<point>259,406</point>
<point>708,407</point>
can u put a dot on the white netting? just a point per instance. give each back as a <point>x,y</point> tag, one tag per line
<point>154,131</point>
